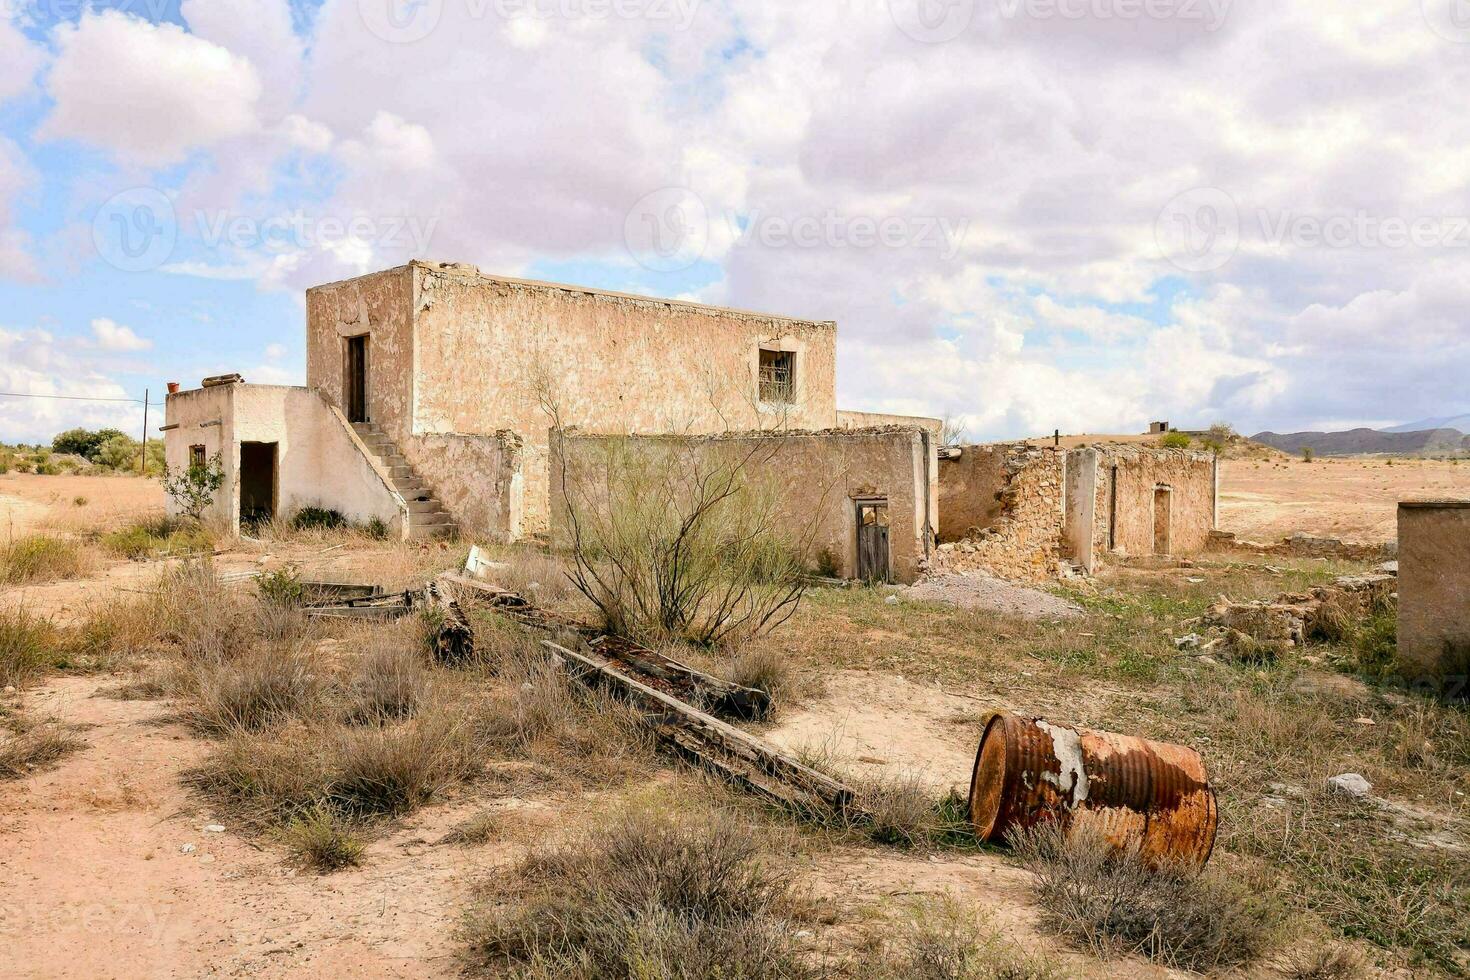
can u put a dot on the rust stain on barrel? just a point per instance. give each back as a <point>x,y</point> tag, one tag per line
<point>1151,795</point>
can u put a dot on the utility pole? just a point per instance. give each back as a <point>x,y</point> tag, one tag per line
<point>143,456</point>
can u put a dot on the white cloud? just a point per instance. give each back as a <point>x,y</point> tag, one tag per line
<point>149,92</point>
<point>17,178</point>
<point>113,336</point>
<point>19,60</point>
<point>33,363</point>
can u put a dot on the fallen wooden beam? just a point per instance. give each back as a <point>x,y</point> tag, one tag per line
<point>729,752</point>
<point>452,638</point>
<point>663,673</point>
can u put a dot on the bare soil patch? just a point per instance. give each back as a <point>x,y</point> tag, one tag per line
<point>1350,499</point>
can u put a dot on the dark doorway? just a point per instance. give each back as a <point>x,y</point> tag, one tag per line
<point>257,482</point>
<point>872,540</point>
<point>356,380</point>
<point>1163,520</point>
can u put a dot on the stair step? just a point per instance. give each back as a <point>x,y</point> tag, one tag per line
<point>367,428</point>
<point>393,460</point>
<point>426,506</point>
<point>425,518</point>
<point>432,532</point>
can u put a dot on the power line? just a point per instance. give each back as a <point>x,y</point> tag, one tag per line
<point>77,398</point>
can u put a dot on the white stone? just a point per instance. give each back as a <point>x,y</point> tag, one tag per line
<point>1351,784</point>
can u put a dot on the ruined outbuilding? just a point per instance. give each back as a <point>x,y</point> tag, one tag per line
<point>1023,511</point>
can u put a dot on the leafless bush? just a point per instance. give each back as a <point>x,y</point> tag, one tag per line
<point>650,895</point>
<point>1112,902</point>
<point>672,540</point>
<point>31,745</point>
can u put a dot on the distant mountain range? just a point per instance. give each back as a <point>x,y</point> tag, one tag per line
<point>1429,437</point>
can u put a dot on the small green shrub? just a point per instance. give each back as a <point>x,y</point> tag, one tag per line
<point>281,588</point>
<point>318,519</point>
<point>323,840</point>
<point>376,529</point>
<point>1175,440</point>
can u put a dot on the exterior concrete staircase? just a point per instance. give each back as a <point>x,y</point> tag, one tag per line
<point>427,518</point>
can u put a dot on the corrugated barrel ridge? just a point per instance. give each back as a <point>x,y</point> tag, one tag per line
<point>1135,793</point>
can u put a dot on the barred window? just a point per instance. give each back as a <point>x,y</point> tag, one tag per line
<point>196,457</point>
<point>778,376</point>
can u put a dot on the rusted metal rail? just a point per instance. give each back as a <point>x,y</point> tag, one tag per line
<point>1152,796</point>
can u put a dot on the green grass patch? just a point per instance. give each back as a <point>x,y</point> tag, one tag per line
<point>40,558</point>
<point>158,537</point>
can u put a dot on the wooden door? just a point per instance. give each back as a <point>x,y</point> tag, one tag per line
<point>356,380</point>
<point>872,540</point>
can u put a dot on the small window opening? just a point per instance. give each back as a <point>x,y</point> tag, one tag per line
<point>196,457</point>
<point>778,376</point>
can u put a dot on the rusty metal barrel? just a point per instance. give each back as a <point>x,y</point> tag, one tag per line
<point>1136,793</point>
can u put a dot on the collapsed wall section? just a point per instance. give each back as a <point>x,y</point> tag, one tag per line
<point>812,482</point>
<point>1153,501</point>
<point>1002,511</point>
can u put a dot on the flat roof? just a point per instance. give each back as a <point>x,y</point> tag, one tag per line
<point>465,270</point>
<point>1446,504</point>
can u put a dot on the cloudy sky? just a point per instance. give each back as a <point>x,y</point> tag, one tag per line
<point>1037,214</point>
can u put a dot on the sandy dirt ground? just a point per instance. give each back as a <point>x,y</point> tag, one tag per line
<point>1352,499</point>
<point>30,503</point>
<point>107,868</point>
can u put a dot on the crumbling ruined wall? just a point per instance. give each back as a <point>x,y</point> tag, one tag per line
<point>1434,588</point>
<point>1023,541</point>
<point>814,479</point>
<point>970,491</point>
<point>1138,472</point>
<point>879,420</point>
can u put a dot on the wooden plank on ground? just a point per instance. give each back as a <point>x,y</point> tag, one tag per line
<point>724,749</point>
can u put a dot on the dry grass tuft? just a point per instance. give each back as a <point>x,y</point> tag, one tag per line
<point>248,692</point>
<point>27,647</point>
<point>646,894</point>
<point>1113,903</point>
<point>480,829</point>
<point>266,779</point>
<point>323,840</point>
<point>904,811</point>
<point>944,941</point>
<point>390,683</point>
<point>1321,963</point>
<point>158,536</point>
<point>41,558</point>
<point>387,770</point>
<point>33,745</point>
<point>764,669</point>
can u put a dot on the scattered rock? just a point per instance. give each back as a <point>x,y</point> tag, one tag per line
<point>214,828</point>
<point>206,859</point>
<point>1351,784</point>
<point>187,849</point>
<point>1364,721</point>
<point>1189,642</point>
<point>1388,568</point>
<point>891,600</point>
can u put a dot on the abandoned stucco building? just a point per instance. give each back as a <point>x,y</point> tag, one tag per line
<point>434,393</point>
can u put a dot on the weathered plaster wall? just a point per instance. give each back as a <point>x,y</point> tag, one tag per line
<point>1140,471</point>
<point>1434,589</point>
<point>490,351</point>
<point>879,420</point>
<point>381,306</point>
<point>1023,539</point>
<point>814,478</point>
<point>969,491</point>
<point>319,461</point>
<point>478,479</point>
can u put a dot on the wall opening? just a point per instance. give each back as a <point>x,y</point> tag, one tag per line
<point>1113,510</point>
<point>1163,520</point>
<point>778,376</point>
<point>355,382</point>
<point>196,457</point>
<point>873,555</point>
<point>257,482</point>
